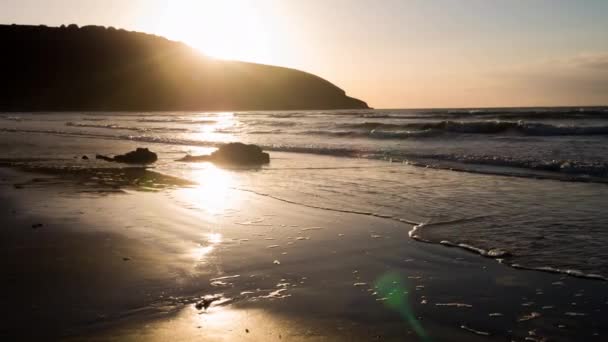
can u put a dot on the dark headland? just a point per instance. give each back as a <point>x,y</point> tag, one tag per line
<point>99,68</point>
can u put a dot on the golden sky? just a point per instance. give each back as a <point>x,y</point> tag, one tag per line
<point>390,53</point>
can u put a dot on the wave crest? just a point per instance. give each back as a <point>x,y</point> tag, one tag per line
<point>383,130</point>
<point>128,128</point>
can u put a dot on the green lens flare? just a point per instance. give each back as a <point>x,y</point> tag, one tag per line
<point>392,287</point>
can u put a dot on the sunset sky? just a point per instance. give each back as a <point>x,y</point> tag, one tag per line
<point>390,53</point>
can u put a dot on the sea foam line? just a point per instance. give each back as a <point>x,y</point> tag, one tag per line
<point>494,253</point>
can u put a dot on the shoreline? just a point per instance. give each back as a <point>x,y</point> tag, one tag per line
<point>499,255</point>
<point>163,180</point>
<point>475,168</point>
<point>177,243</point>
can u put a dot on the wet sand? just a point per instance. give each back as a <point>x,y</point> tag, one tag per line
<point>117,263</point>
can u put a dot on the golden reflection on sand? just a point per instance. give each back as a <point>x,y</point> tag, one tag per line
<point>214,193</point>
<point>219,323</point>
<point>214,238</point>
<point>200,252</point>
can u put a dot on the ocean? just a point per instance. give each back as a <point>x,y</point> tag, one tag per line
<point>526,186</point>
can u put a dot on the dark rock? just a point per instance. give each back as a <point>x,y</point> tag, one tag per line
<point>139,156</point>
<point>206,302</point>
<point>99,156</point>
<point>240,153</point>
<point>85,158</point>
<point>234,154</point>
<point>37,225</point>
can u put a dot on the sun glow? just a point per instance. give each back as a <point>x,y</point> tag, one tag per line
<point>214,194</point>
<point>218,131</point>
<point>199,253</point>
<point>227,29</point>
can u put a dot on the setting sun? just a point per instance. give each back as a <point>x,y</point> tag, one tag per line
<point>228,29</point>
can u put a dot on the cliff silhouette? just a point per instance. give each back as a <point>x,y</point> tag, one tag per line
<point>99,68</point>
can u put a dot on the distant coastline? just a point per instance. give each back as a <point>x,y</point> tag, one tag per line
<point>106,69</point>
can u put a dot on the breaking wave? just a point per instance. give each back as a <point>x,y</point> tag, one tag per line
<point>180,121</point>
<point>408,130</point>
<point>569,170</point>
<point>127,128</point>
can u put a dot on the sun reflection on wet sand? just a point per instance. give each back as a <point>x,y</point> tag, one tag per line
<point>218,323</point>
<point>200,252</point>
<point>214,238</point>
<point>214,193</point>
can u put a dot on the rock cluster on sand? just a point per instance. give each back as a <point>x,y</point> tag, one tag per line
<point>139,156</point>
<point>235,154</point>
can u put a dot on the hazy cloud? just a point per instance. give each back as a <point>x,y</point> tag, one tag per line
<point>591,61</point>
<point>580,79</point>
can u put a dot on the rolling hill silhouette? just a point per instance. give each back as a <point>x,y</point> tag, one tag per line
<point>98,68</point>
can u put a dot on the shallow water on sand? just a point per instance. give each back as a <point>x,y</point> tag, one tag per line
<point>120,264</point>
<point>539,219</point>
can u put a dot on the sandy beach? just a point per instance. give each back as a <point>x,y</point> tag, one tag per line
<point>88,260</point>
